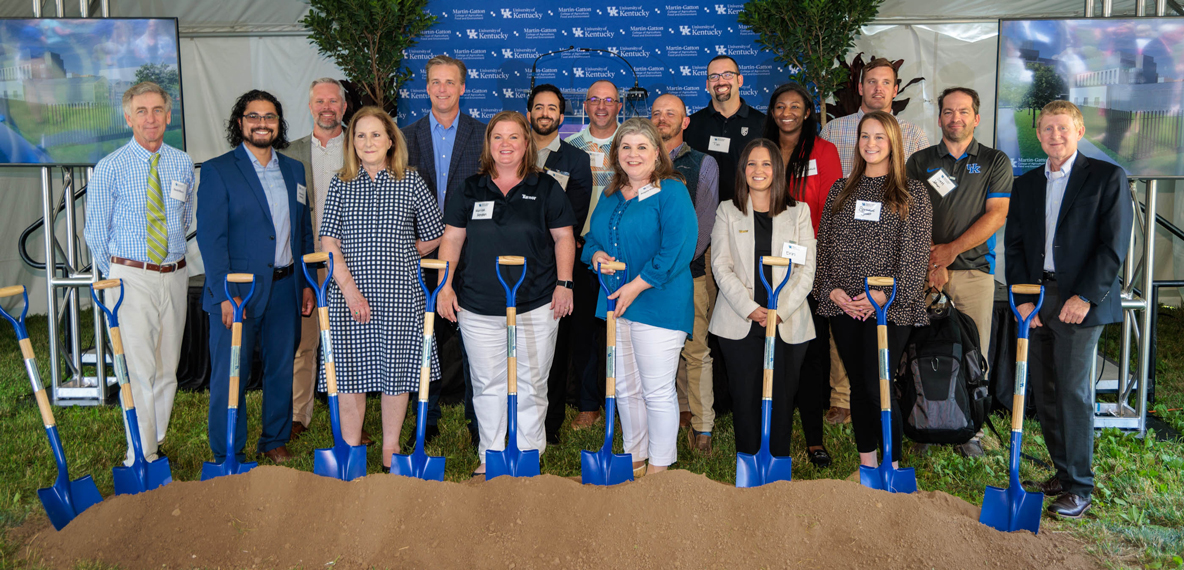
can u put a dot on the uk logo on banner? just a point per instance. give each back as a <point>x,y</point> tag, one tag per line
<point>509,93</point>
<point>472,34</point>
<point>579,71</point>
<point>721,9</point>
<point>506,13</point>
<point>685,69</point>
<point>578,32</point>
<point>507,53</point>
<point>473,74</point>
<point>721,50</point>
<point>613,12</point>
<point>685,30</point>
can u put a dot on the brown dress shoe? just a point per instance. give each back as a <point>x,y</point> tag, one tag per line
<point>279,455</point>
<point>836,415</point>
<point>1069,506</point>
<point>699,441</point>
<point>366,439</point>
<point>684,420</point>
<point>298,429</point>
<point>1051,487</point>
<point>585,420</point>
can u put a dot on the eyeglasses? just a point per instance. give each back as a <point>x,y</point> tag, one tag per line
<point>256,117</point>
<point>729,75</point>
<point>594,101</point>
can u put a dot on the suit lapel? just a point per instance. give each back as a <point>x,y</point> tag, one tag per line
<point>463,131</point>
<point>427,155</point>
<point>247,168</point>
<point>745,242</point>
<point>1077,178</point>
<point>293,204</point>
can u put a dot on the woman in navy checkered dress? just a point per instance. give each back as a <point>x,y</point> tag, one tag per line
<point>379,220</point>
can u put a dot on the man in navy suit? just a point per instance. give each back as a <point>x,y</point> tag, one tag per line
<point>252,217</point>
<point>445,147</point>
<point>1068,228</point>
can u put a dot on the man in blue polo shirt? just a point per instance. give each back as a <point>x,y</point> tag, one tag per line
<point>970,188</point>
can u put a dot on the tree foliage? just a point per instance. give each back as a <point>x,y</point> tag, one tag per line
<point>810,37</point>
<point>169,78</point>
<point>1047,86</point>
<point>366,39</point>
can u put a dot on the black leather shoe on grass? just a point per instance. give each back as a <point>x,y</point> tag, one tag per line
<point>818,457</point>
<point>1069,506</point>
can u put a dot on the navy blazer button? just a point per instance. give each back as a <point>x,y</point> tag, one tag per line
<point>270,265</point>
<point>272,238</point>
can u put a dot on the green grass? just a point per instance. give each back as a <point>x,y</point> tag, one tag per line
<point>1137,520</point>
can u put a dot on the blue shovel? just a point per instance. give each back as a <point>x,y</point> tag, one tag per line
<point>1014,508</point>
<point>342,461</point>
<point>513,461</point>
<point>142,475</point>
<point>605,467</point>
<point>65,499</point>
<point>756,470</point>
<point>230,465</point>
<point>419,464</point>
<point>885,477</point>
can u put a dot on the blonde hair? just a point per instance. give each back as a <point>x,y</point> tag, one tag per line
<point>396,155</point>
<point>896,189</point>
<point>1062,108</point>
<point>663,170</point>
<point>528,160</point>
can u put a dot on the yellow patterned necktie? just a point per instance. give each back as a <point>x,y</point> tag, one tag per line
<point>158,247</point>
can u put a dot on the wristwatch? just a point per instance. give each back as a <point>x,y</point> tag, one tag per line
<point>562,283</point>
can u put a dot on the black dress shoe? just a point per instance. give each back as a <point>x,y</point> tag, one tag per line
<point>819,457</point>
<point>1050,488</point>
<point>553,439</point>
<point>430,433</point>
<point>1069,506</point>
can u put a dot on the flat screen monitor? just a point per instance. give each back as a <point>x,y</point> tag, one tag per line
<point>1125,74</point>
<point>62,82</point>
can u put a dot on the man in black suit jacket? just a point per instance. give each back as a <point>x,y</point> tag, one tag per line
<point>445,147</point>
<point>1068,228</point>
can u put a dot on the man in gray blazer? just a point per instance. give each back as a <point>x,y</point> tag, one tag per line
<point>445,147</point>
<point>321,154</point>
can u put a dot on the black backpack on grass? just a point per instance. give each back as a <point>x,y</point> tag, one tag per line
<point>941,384</point>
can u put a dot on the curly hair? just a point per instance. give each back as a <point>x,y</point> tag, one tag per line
<point>234,128</point>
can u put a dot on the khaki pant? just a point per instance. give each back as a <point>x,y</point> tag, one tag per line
<point>304,366</point>
<point>840,385</point>
<point>973,293</point>
<point>152,324</point>
<point>695,377</point>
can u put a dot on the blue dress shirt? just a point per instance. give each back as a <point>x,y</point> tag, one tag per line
<point>442,143</point>
<point>272,179</point>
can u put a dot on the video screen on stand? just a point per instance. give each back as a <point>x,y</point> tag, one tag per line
<point>62,83</point>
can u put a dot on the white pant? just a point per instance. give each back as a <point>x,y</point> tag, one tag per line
<point>152,324</point>
<point>646,364</point>
<point>485,344</point>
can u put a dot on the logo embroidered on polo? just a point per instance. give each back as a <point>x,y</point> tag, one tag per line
<point>974,168</point>
<point>743,131</point>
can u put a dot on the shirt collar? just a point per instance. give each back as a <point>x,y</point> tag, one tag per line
<point>1066,168</point>
<point>436,124</point>
<point>531,179</point>
<point>143,153</point>
<point>588,132</point>
<point>971,150</point>
<point>676,150</point>
<point>271,162</point>
<point>333,142</point>
<point>742,112</point>
<point>553,146</point>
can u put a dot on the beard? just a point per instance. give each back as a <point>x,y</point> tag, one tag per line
<point>669,132</point>
<point>539,130</point>
<point>329,125</point>
<point>261,140</point>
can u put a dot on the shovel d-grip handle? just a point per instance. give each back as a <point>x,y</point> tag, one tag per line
<point>320,288</point>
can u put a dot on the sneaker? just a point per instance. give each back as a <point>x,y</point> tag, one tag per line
<point>585,420</point>
<point>836,415</point>
<point>699,441</point>
<point>972,448</point>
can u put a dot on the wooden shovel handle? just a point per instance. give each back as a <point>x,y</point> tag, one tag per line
<point>13,290</point>
<point>316,257</point>
<point>880,281</point>
<point>433,263</point>
<point>1025,289</point>
<point>240,277</point>
<point>775,261</point>
<point>105,284</point>
<point>511,259</point>
<point>612,265</point>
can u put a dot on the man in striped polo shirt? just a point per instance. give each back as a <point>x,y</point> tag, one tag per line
<point>139,207</point>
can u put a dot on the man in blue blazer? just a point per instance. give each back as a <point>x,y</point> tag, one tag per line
<point>1068,228</point>
<point>252,217</point>
<point>445,147</point>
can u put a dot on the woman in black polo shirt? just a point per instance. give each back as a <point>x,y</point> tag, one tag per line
<point>508,208</point>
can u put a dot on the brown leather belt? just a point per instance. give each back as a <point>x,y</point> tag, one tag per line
<point>166,268</point>
<point>283,272</point>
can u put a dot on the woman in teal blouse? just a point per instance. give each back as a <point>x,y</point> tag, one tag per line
<point>645,219</point>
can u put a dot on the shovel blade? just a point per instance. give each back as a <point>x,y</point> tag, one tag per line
<point>1010,510</point>
<point>159,473</point>
<point>141,476</point>
<point>885,478</point>
<point>605,467</point>
<point>759,469</point>
<point>63,504</point>
<point>419,465</point>
<point>230,466</point>
<point>345,462</point>
<point>513,462</point>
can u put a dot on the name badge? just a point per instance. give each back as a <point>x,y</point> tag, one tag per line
<point>867,211</point>
<point>179,191</point>
<point>647,191</point>
<point>483,210</point>
<point>302,194</point>
<point>560,177</point>
<point>597,159</point>
<point>942,183</point>
<point>794,252</point>
<point>719,144</point>
<point>813,170</point>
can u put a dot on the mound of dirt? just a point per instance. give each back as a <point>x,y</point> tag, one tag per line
<point>275,517</point>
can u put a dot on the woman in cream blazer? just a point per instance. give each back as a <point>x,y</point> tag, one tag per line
<point>761,219</point>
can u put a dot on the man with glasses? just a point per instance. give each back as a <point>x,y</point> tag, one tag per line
<point>445,147</point>
<point>723,128</point>
<point>252,217</point>
<point>138,210</point>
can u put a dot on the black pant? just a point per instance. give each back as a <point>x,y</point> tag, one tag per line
<point>588,332</point>
<point>744,359</point>
<point>856,341</point>
<point>814,388</point>
<point>1060,358</point>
